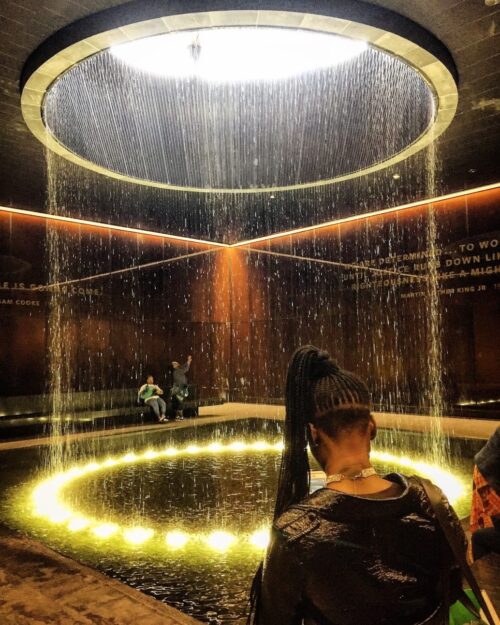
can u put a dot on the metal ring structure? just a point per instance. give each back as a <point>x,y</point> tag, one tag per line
<point>382,29</point>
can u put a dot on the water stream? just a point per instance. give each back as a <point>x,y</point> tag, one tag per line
<point>123,305</point>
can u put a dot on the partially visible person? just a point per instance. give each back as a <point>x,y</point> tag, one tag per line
<point>366,549</point>
<point>485,512</point>
<point>150,393</point>
<point>179,389</point>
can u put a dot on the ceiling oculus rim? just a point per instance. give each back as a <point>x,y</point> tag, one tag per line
<point>47,66</point>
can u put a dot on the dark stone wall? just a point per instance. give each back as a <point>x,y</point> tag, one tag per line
<point>133,303</point>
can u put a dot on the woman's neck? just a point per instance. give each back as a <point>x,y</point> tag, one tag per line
<point>348,463</point>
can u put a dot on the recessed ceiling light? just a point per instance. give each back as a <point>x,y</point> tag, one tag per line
<point>237,53</point>
<point>472,170</point>
<point>396,176</point>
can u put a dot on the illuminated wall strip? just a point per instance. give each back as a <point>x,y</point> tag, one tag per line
<point>97,224</point>
<point>391,272</point>
<point>117,272</point>
<point>269,237</point>
<point>377,213</point>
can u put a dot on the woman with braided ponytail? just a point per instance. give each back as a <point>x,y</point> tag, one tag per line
<point>364,550</point>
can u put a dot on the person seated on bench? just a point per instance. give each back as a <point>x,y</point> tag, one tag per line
<point>180,385</point>
<point>149,393</point>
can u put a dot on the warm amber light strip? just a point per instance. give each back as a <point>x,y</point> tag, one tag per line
<point>97,224</point>
<point>377,213</point>
<point>269,237</point>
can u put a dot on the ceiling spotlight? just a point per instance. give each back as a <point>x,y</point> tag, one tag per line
<point>471,171</point>
<point>396,176</point>
<point>195,48</point>
<point>237,53</point>
<point>272,197</point>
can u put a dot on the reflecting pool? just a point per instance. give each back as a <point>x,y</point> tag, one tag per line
<point>181,514</point>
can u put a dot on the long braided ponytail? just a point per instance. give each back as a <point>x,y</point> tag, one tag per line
<point>308,364</point>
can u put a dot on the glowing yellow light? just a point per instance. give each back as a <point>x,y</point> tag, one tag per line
<point>105,530</point>
<point>260,446</point>
<point>138,535</point>
<point>47,503</point>
<point>220,540</point>
<point>170,451</point>
<point>452,486</point>
<point>91,466</point>
<point>260,538</point>
<point>75,472</point>
<point>60,514</point>
<point>176,539</point>
<point>78,523</point>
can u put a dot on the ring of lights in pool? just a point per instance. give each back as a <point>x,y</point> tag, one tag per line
<point>47,499</point>
<point>239,101</point>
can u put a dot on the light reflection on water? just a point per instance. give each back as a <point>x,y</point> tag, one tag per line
<point>232,492</point>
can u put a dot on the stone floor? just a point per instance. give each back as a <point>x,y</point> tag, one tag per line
<point>40,587</point>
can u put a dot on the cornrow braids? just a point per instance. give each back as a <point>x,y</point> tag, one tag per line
<point>317,390</point>
<point>293,481</point>
<point>308,363</point>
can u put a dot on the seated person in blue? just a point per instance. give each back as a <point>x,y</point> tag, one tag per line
<point>150,393</point>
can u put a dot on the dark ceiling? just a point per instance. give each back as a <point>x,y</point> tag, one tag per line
<point>468,151</point>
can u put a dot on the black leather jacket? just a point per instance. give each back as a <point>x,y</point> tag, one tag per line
<point>338,559</point>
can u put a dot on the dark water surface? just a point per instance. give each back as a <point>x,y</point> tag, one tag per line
<point>196,494</point>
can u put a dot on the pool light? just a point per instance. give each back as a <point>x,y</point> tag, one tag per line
<point>176,539</point>
<point>237,54</point>
<point>47,496</point>
<point>105,530</point>
<point>220,540</point>
<point>451,485</point>
<point>78,523</point>
<point>138,535</point>
<point>260,538</point>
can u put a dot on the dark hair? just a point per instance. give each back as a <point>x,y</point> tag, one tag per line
<point>317,391</point>
<point>336,422</point>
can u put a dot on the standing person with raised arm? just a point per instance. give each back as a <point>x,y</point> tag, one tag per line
<point>180,385</point>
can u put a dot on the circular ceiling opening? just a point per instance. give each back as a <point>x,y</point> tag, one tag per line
<point>239,106</point>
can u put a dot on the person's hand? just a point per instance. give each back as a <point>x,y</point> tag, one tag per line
<point>190,358</point>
